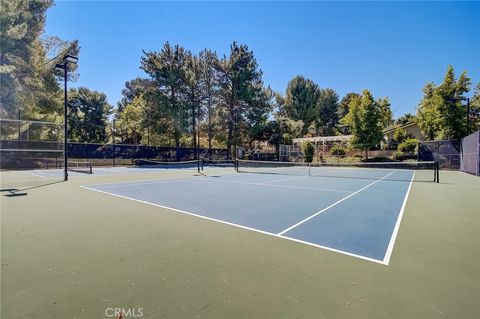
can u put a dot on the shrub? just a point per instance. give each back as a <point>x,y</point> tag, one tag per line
<point>400,135</point>
<point>338,150</point>
<point>399,156</point>
<point>408,146</point>
<point>309,151</point>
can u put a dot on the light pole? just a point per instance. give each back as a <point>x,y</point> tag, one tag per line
<point>468,110</point>
<point>113,141</point>
<point>66,60</point>
<point>19,117</point>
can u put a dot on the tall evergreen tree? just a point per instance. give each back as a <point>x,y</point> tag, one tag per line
<point>240,83</point>
<point>301,101</point>
<point>327,117</point>
<point>167,70</point>
<point>28,79</point>
<point>195,94</point>
<point>208,61</point>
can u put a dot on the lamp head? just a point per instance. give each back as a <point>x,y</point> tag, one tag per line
<point>70,59</point>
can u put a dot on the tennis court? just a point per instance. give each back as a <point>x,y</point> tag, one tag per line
<point>351,210</point>
<point>294,240</point>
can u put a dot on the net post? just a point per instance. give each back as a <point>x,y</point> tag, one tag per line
<point>90,167</point>
<point>437,172</point>
<point>199,164</point>
<point>236,165</point>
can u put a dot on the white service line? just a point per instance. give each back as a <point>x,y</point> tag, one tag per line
<point>388,254</point>
<point>147,182</point>
<point>281,186</point>
<point>284,179</point>
<point>334,204</point>
<point>239,226</point>
<point>34,174</point>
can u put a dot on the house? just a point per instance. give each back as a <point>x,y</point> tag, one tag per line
<point>411,128</point>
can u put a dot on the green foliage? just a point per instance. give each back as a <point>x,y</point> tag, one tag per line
<point>28,79</point>
<point>343,109</point>
<point>129,123</point>
<point>399,156</point>
<point>88,113</point>
<point>327,117</point>
<point>338,150</point>
<point>365,121</point>
<point>301,101</point>
<point>167,70</point>
<point>408,146</point>
<point>400,135</point>
<point>241,92</point>
<point>441,113</point>
<point>308,151</point>
<point>385,111</point>
<point>316,108</point>
<point>405,119</point>
<point>475,110</point>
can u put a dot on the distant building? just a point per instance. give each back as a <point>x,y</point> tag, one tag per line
<point>411,128</point>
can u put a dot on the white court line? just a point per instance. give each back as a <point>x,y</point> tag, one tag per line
<point>297,177</point>
<point>281,186</point>
<point>147,182</point>
<point>34,174</point>
<point>284,179</point>
<point>334,204</point>
<point>239,226</point>
<point>388,254</point>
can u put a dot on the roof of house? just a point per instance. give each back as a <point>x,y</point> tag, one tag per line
<point>393,129</point>
<point>333,138</point>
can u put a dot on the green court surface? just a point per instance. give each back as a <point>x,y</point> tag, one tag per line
<point>68,252</point>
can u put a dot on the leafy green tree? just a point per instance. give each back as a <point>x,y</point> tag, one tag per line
<point>327,117</point>
<point>129,122</point>
<point>441,113</point>
<point>240,85</point>
<point>88,113</point>
<point>475,110</point>
<point>452,108</point>
<point>301,101</point>
<point>428,115</point>
<point>343,109</point>
<point>167,70</point>
<point>365,121</point>
<point>386,112</point>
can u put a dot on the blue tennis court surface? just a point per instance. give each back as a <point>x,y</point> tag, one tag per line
<point>354,216</point>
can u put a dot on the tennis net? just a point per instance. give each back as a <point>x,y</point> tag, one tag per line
<point>400,171</point>
<point>168,165</point>
<point>217,163</point>
<point>80,167</point>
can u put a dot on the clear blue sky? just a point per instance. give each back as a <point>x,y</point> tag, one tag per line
<point>391,48</point>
